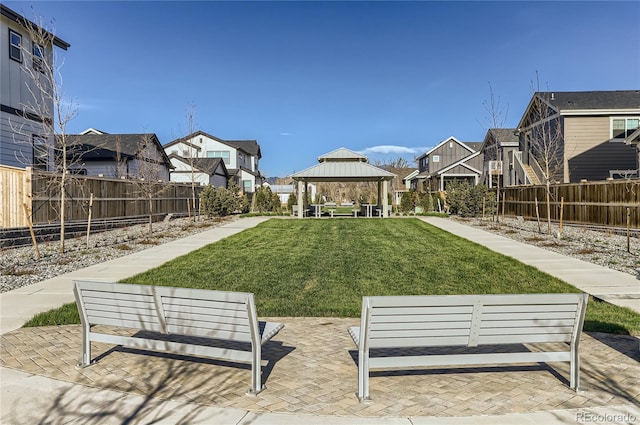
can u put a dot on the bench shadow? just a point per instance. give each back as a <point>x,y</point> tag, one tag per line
<point>627,345</point>
<point>451,370</point>
<point>272,351</point>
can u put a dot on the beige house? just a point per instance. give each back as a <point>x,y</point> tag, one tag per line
<point>579,134</point>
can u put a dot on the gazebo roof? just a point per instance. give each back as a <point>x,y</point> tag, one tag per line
<point>343,165</point>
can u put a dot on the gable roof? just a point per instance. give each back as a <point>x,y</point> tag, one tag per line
<point>503,136</point>
<point>462,162</point>
<point>449,139</point>
<point>343,165</point>
<point>590,100</point>
<point>342,154</point>
<point>249,146</point>
<point>585,103</point>
<point>205,165</point>
<point>105,146</point>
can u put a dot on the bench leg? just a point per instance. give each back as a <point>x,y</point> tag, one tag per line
<point>256,371</point>
<point>575,370</point>
<point>363,377</point>
<point>86,347</point>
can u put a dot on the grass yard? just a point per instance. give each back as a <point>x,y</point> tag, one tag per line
<point>324,267</point>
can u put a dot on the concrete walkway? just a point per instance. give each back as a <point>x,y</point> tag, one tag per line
<point>615,287</point>
<point>39,384</point>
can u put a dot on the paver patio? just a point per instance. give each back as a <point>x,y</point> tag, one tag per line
<point>310,367</point>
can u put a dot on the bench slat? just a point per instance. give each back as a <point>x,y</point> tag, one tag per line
<point>490,324</point>
<point>132,324</point>
<point>375,327</point>
<point>117,296</point>
<point>181,303</point>
<point>422,318</point>
<point>418,342</point>
<point>120,306</point>
<point>523,339</point>
<point>174,310</point>
<point>527,308</point>
<point>528,316</point>
<point>423,310</point>
<point>547,330</point>
<point>118,315</point>
<point>405,362</point>
<point>238,335</point>
<point>417,333</point>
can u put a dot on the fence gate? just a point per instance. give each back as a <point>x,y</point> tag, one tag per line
<point>15,194</point>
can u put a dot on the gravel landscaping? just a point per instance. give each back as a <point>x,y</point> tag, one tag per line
<point>19,266</point>
<point>606,249</point>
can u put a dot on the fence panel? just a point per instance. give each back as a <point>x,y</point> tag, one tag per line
<point>112,198</point>
<point>15,192</point>
<point>599,203</point>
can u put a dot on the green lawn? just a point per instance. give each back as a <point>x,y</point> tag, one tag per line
<point>324,267</point>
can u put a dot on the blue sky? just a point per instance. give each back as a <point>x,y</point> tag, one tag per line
<point>386,79</point>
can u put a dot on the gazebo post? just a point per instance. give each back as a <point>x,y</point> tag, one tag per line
<point>385,194</point>
<point>300,199</point>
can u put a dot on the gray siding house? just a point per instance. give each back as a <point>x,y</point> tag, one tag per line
<point>26,136</point>
<point>450,160</point>
<point>118,155</point>
<point>497,150</point>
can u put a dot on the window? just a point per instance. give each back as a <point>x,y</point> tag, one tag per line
<point>623,127</point>
<point>40,153</point>
<point>38,57</point>
<point>246,185</point>
<point>436,158</point>
<point>220,154</point>
<point>15,46</point>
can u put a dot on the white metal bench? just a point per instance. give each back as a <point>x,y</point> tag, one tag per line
<point>389,322</point>
<point>216,315</point>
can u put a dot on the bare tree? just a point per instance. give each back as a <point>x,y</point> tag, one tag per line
<point>193,154</point>
<point>496,117</point>
<point>52,148</point>
<point>150,173</point>
<point>545,140</point>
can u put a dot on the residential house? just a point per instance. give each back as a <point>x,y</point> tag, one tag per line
<point>579,134</point>
<point>497,150</point>
<point>129,156</point>
<point>451,160</point>
<point>241,157</point>
<point>26,136</point>
<point>202,171</point>
<point>405,184</point>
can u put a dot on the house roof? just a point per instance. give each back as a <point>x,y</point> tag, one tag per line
<point>205,165</point>
<point>503,136</point>
<point>105,146</point>
<point>26,23</point>
<point>618,99</point>
<point>448,139</point>
<point>474,145</point>
<point>249,146</point>
<point>343,165</point>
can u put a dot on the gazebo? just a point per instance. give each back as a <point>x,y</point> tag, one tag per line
<point>344,165</point>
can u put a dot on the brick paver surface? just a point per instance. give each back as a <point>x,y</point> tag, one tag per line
<point>311,367</point>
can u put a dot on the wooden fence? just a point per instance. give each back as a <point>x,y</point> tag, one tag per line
<point>112,198</point>
<point>15,194</point>
<point>604,203</point>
